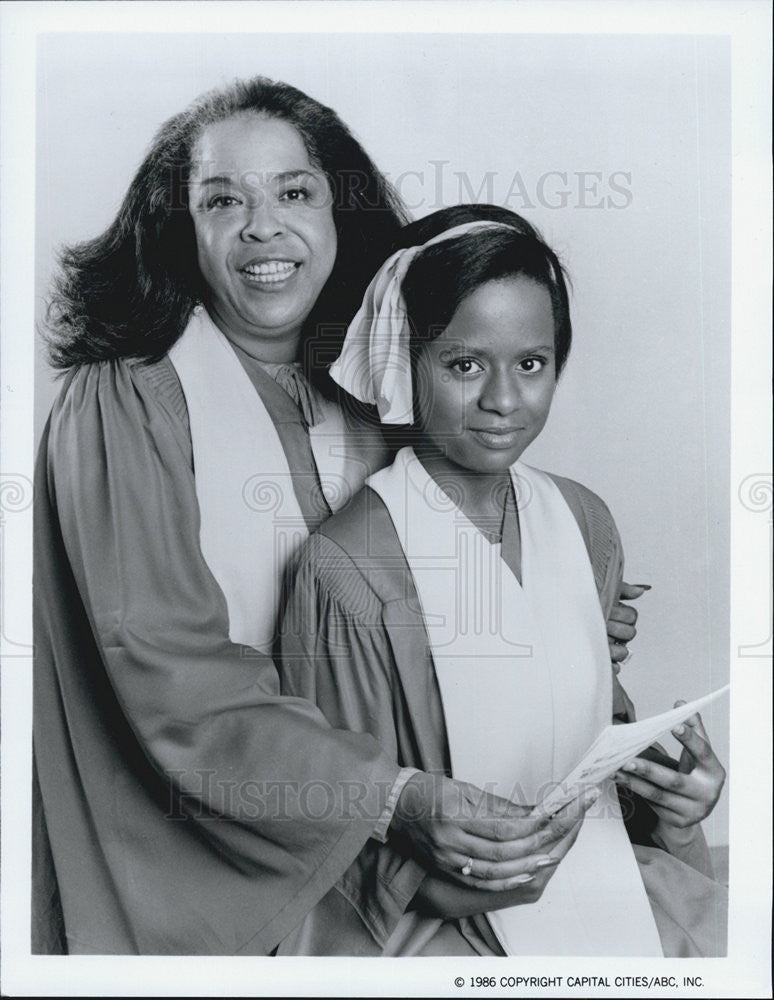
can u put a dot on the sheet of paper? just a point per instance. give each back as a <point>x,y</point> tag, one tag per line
<point>616,745</point>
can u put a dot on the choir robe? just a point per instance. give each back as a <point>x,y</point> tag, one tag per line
<point>169,808</point>
<point>354,641</point>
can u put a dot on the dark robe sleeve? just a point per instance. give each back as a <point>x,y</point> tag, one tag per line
<point>190,807</point>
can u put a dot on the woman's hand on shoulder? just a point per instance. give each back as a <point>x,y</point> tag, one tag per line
<point>622,621</point>
<point>683,796</point>
<point>482,841</point>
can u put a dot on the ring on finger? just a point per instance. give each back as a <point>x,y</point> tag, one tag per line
<point>467,868</point>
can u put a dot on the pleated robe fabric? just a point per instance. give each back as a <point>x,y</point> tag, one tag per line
<point>181,804</point>
<point>353,640</point>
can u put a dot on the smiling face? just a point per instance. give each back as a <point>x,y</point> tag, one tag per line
<point>265,236</point>
<point>487,382</point>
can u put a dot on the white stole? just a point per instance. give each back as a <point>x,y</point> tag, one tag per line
<point>526,684</point>
<point>251,524</point>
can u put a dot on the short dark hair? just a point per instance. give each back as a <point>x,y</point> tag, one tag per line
<point>441,276</point>
<point>130,291</point>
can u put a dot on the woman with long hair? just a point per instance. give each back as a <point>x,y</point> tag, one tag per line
<point>185,805</point>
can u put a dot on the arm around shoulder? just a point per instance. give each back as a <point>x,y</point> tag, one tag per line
<point>122,498</point>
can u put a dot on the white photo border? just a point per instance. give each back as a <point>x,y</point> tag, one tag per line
<point>746,971</point>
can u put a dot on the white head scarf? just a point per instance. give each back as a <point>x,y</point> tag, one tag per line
<point>375,364</point>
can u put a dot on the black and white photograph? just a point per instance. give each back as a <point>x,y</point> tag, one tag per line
<point>386,505</point>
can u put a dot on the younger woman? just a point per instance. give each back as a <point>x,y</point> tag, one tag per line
<point>423,614</point>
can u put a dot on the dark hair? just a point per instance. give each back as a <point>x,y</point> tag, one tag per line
<point>441,276</point>
<point>130,291</point>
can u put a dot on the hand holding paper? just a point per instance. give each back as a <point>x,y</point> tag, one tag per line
<point>685,791</point>
<point>616,746</point>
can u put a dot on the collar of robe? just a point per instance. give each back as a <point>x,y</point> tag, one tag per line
<point>250,522</point>
<point>290,378</point>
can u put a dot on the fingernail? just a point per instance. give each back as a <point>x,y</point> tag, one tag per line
<point>631,766</point>
<point>593,795</point>
<point>523,879</point>
<point>678,730</point>
<point>547,862</point>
